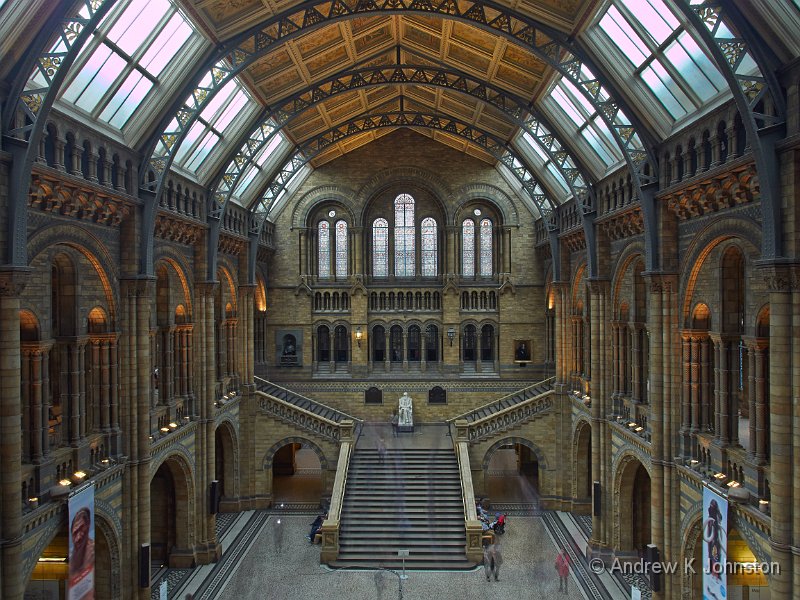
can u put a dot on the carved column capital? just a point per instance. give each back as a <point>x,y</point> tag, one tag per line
<point>13,280</point>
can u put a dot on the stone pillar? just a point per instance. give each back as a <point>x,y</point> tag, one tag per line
<point>760,392</point>
<point>781,413</point>
<point>705,383</point>
<point>688,386</point>
<point>12,583</point>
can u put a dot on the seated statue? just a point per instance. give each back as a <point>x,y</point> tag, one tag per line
<point>405,411</point>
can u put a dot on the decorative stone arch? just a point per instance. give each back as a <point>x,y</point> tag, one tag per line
<point>309,202</point>
<point>502,202</point>
<point>392,176</point>
<point>266,463</point>
<point>81,239</point>
<point>626,258</point>
<point>224,269</point>
<point>540,456</point>
<point>107,524</point>
<point>179,463</point>
<point>172,258</point>
<point>691,528</point>
<point>749,236</point>
<point>230,448</point>
<point>46,536</point>
<point>580,463</point>
<point>624,471</point>
<point>575,291</point>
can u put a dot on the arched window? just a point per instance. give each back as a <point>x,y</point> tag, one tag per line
<point>486,248</point>
<point>470,344</point>
<point>324,250</point>
<point>468,248</point>
<point>487,343</point>
<point>396,343</point>
<point>341,341</point>
<point>341,249</point>
<point>378,344</point>
<point>430,248</point>
<point>380,247</point>
<point>323,344</point>
<point>404,252</point>
<point>432,343</point>
<point>413,344</point>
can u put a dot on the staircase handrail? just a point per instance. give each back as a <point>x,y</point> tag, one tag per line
<point>305,419</point>
<point>472,526</point>
<point>548,381</point>
<point>505,418</point>
<point>336,410</point>
<point>331,525</point>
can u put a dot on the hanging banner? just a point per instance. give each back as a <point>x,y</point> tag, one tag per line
<point>81,545</point>
<point>715,545</point>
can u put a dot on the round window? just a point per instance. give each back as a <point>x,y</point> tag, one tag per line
<point>331,213</point>
<point>477,212</point>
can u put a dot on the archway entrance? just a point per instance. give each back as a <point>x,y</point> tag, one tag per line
<point>583,470</point>
<point>296,475</point>
<point>225,463</point>
<point>512,475</point>
<point>49,576</point>
<point>633,508</point>
<point>172,499</point>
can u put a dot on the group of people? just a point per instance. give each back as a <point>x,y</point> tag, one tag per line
<point>496,524</point>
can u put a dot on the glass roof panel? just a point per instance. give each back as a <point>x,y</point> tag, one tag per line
<point>648,42</point>
<point>658,21</point>
<point>122,65</point>
<point>166,45</point>
<point>624,36</point>
<point>202,151</point>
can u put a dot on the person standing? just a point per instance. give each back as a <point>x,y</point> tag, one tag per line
<point>394,421</point>
<point>492,559</point>
<point>562,567</point>
<point>380,445</point>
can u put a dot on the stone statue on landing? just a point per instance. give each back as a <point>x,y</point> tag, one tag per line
<point>405,413</point>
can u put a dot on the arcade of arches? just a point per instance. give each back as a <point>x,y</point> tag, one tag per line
<point>231,239</point>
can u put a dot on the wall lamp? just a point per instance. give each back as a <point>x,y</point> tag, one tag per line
<point>359,335</point>
<point>451,334</point>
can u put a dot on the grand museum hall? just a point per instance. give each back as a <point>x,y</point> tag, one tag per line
<point>399,299</point>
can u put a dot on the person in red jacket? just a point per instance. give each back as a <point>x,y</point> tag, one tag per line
<point>562,566</point>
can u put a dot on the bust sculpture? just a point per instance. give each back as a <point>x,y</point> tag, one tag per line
<point>405,414</point>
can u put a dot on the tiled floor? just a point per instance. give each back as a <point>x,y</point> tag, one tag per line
<point>266,555</point>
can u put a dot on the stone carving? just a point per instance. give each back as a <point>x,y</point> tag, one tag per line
<point>405,411</point>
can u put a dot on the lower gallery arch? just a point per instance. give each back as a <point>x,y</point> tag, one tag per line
<point>632,510</point>
<point>583,476</point>
<point>172,499</point>
<point>48,578</point>
<point>296,472</point>
<point>511,469</point>
<point>226,465</point>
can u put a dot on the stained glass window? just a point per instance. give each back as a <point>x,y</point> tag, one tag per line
<point>468,248</point>
<point>486,248</point>
<point>380,248</point>
<point>127,60</point>
<point>341,249</point>
<point>429,248</point>
<point>324,254</point>
<point>404,253</point>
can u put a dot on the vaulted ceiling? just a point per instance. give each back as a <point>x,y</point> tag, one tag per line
<point>370,47</point>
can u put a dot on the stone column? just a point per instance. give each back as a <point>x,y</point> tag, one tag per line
<point>761,350</point>
<point>12,583</point>
<point>705,383</point>
<point>686,392</point>
<point>781,415</point>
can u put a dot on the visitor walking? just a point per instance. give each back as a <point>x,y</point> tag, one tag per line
<point>492,559</point>
<point>562,566</point>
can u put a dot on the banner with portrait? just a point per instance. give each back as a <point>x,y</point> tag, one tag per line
<point>80,582</point>
<point>715,545</point>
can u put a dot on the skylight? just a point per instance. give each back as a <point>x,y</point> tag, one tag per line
<point>127,60</point>
<point>261,165</point>
<point>211,132</point>
<point>539,158</point>
<point>586,123</point>
<point>655,48</point>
